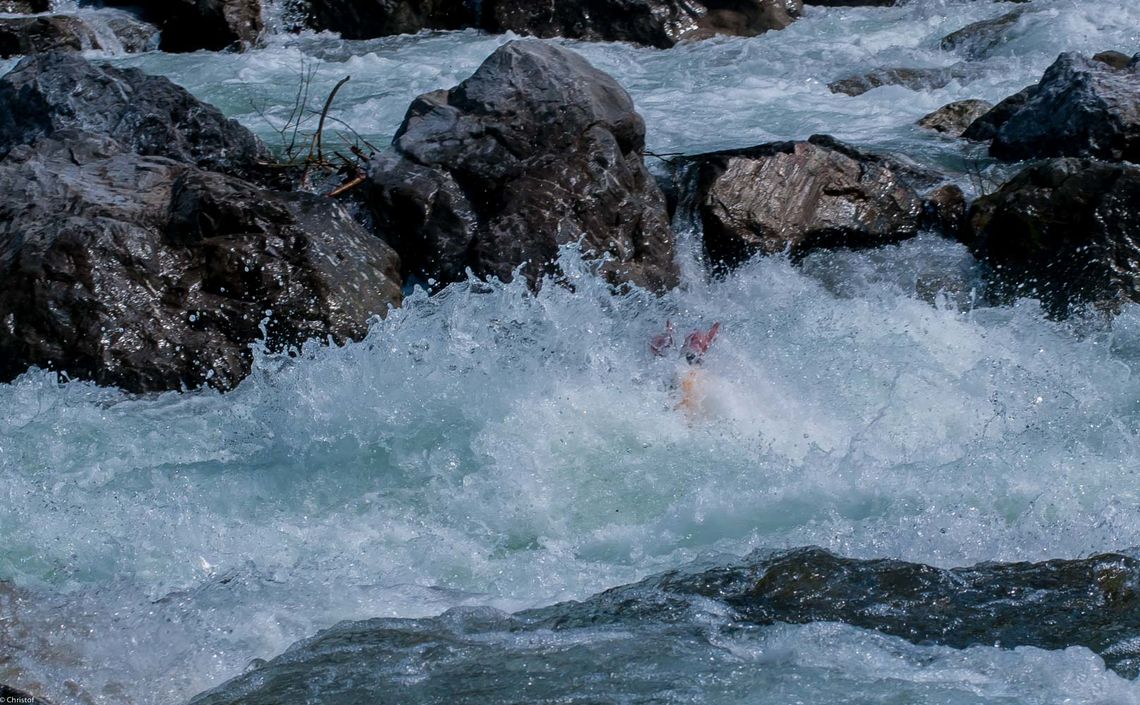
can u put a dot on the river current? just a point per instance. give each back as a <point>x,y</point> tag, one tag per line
<point>485,447</point>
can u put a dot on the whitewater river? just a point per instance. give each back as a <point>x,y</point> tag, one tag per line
<point>486,447</point>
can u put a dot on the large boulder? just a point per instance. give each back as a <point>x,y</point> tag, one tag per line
<point>112,31</point>
<point>189,25</point>
<point>536,150</point>
<point>795,197</point>
<point>1080,108</point>
<point>151,274</point>
<point>148,114</point>
<point>954,118</point>
<point>1067,230</point>
<point>657,23</point>
<point>365,19</point>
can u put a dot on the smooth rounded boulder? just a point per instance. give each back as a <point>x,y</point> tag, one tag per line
<point>150,274</point>
<point>656,23</point>
<point>537,150</point>
<point>796,197</point>
<point>1064,230</point>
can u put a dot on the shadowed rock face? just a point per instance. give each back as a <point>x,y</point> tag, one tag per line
<point>658,23</point>
<point>1065,229</point>
<point>150,274</point>
<point>189,25</point>
<point>798,196</point>
<point>536,150</point>
<point>1080,108</point>
<point>148,114</point>
<point>365,19</point>
<point>47,33</point>
<point>985,127</point>
<point>566,650</point>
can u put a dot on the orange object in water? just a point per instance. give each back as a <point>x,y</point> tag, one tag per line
<point>692,391</point>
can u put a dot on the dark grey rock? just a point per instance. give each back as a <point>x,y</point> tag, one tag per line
<point>981,40</point>
<point>953,119</point>
<point>1065,230</point>
<point>1115,59</point>
<point>536,150</point>
<point>104,30</point>
<point>8,694</point>
<point>24,6</point>
<point>365,19</point>
<point>914,79</point>
<point>796,197</point>
<point>1080,108</point>
<point>148,114</point>
<point>150,274</point>
<point>190,25</point>
<point>986,127</point>
<point>658,23</point>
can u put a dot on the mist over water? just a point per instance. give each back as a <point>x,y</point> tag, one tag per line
<point>489,447</point>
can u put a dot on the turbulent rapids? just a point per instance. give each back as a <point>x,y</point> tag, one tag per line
<point>896,491</point>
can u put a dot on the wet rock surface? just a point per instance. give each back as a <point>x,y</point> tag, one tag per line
<point>190,25</point>
<point>365,19</point>
<point>954,118</point>
<point>106,30</point>
<point>1065,230</point>
<point>148,114</point>
<point>1092,603</point>
<point>657,23</point>
<point>1080,108</point>
<point>536,150</point>
<point>982,39</point>
<point>986,127</point>
<point>914,79</point>
<point>150,274</point>
<point>799,196</point>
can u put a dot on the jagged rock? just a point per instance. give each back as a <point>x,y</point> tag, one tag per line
<point>536,150</point>
<point>658,23</point>
<point>799,196</point>
<point>105,30</point>
<point>986,127</point>
<point>1080,108</point>
<point>148,114</point>
<point>1066,230</point>
<point>150,274</point>
<point>365,19</point>
<point>24,6</point>
<point>189,25</point>
<point>914,79</point>
<point>981,39</point>
<point>953,119</point>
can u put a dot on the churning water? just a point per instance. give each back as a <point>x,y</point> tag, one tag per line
<point>487,447</point>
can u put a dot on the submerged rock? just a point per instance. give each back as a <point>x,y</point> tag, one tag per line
<point>536,150</point>
<point>365,19</point>
<point>565,653</point>
<point>104,30</point>
<point>190,25</point>
<point>1080,108</point>
<point>795,197</point>
<point>1066,230</point>
<point>150,274</point>
<point>954,118</point>
<point>657,23</point>
<point>914,79</point>
<point>981,40</point>
<point>148,114</point>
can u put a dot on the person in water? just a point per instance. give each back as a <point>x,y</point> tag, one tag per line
<point>697,343</point>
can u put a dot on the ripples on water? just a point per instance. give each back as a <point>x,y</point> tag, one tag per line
<point>489,448</point>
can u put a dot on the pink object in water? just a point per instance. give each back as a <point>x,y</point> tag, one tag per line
<point>698,343</point>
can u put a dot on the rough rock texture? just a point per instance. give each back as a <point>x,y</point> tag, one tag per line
<point>9,694</point>
<point>365,19</point>
<point>150,274</point>
<point>189,25</point>
<point>536,150</point>
<point>982,39</point>
<point>986,127</point>
<point>799,196</point>
<point>148,114</point>
<point>24,6</point>
<point>658,23</point>
<point>1115,59</point>
<point>105,30</point>
<point>953,119</point>
<point>914,79</point>
<point>1067,230</point>
<point>1080,108</point>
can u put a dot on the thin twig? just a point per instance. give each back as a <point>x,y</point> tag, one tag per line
<point>324,115</point>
